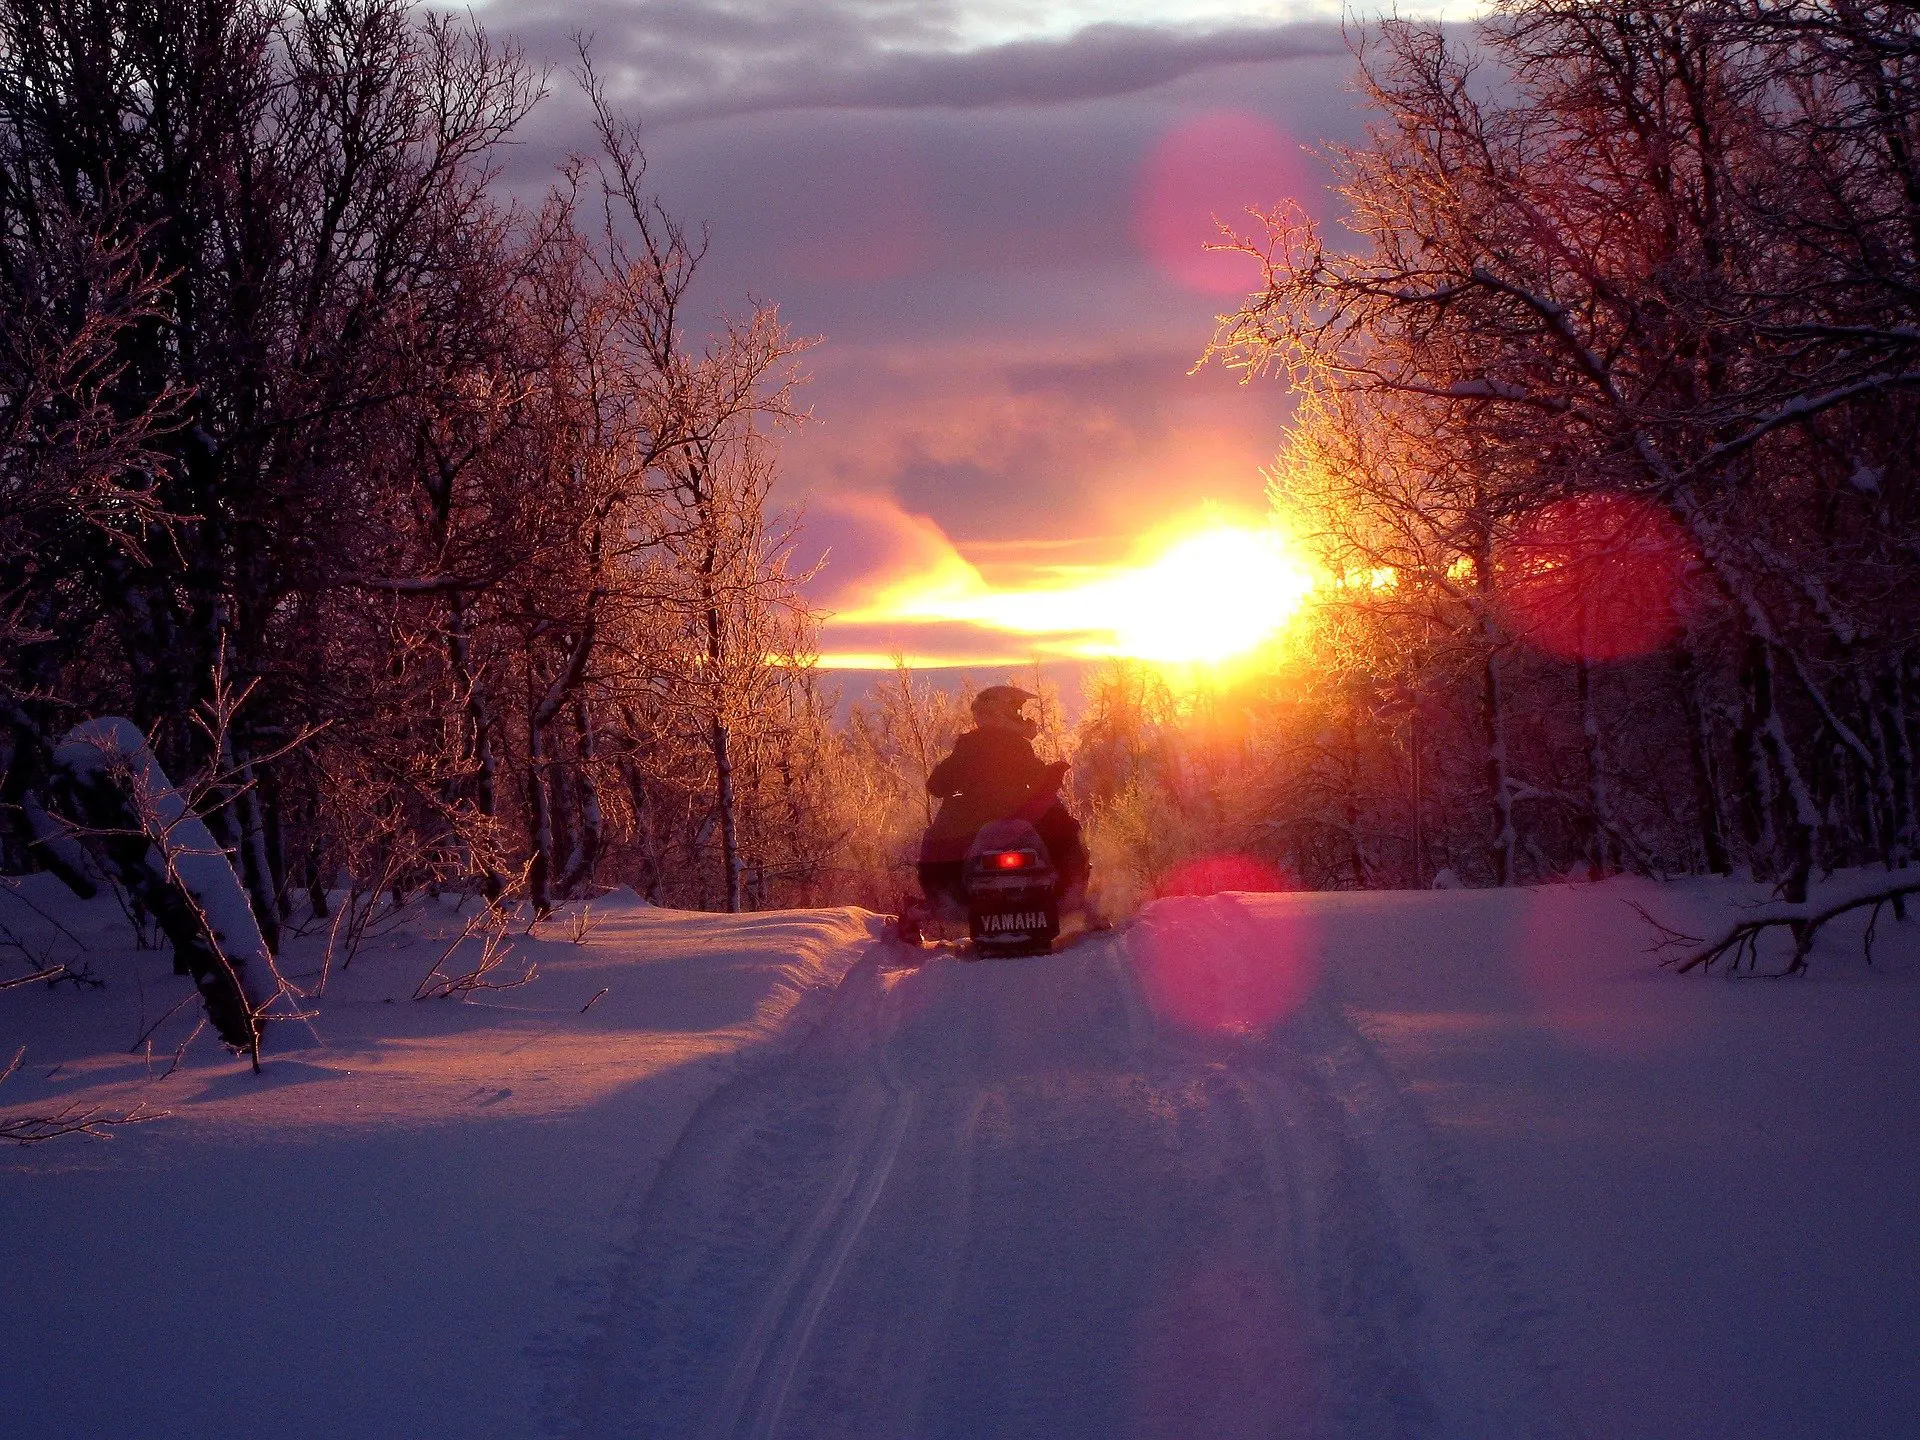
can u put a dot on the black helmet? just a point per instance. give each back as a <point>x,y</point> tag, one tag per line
<point>1001,697</point>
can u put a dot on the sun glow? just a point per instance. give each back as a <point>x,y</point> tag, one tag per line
<point>1204,591</point>
<point>1210,596</point>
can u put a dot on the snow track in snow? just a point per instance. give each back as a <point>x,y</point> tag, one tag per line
<point>1445,1302</point>
<point>763,1375</point>
<point>1426,1333</point>
<point>1009,1199</point>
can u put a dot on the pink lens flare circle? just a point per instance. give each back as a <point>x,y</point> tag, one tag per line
<point>1214,164</point>
<point>1601,576</point>
<point>1210,966</point>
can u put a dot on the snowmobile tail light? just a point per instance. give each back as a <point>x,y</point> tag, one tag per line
<point>1014,860</point>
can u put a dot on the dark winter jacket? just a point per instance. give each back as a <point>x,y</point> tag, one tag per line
<point>990,775</point>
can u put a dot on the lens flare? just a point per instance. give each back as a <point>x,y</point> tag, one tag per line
<point>1211,874</point>
<point>1601,576</point>
<point>1206,171</point>
<point>1208,966</point>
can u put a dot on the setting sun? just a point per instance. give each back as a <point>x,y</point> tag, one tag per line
<point>1210,596</point>
<point>1202,591</point>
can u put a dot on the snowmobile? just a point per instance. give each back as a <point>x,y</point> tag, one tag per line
<point>1012,890</point>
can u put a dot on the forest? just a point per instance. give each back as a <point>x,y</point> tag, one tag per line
<point>1607,433</point>
<point>424,534</point>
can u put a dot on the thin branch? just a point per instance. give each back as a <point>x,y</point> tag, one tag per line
<point>1740,942</point>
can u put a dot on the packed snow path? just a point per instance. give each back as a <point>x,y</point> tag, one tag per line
<point>1078,1195</point>
<point>1292,1164</point>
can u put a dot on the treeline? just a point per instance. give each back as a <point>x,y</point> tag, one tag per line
<point>432,550</point>
<point>1607,434</point>
<point>426,534</point>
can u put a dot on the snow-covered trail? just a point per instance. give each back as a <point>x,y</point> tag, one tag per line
<point>1015,1199</point>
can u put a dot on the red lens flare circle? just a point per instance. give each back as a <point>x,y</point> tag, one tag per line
<point>1211,967</point>
<point>1213,165</point>
<point>1211,874</point>
<point>1599,576</point>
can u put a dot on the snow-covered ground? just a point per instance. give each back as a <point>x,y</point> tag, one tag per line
<point>1454,1164</point>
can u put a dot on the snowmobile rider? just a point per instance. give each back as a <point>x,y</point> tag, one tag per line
<point>991,775</point>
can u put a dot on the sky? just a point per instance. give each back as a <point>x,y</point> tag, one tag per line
<point>992,214</point>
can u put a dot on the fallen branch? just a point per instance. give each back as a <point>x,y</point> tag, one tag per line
<point>41,965</point>
<point>50,974</point>
<point>94,1120</point>
<point>1741,942</point>
<point>10,886</point>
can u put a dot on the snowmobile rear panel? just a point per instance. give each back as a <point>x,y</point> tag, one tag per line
<point>1013,903</point>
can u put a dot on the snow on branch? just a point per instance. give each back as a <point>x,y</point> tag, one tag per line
<point>423,584</point>
<point>1802,407</point>
<point>163,852</point>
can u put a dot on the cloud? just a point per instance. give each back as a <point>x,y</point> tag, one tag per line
<point>1042,443</point>
<point>868,552</point>
<point>861,546</point>
<point>685,61</point>
<point>872,645</point>
<point>1100,61</point>
<point>1005,384</point>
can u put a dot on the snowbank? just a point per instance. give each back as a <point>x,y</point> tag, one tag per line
<point>409,1189</point>
<point>168,859</point>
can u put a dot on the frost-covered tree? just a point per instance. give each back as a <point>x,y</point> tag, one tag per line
<point>1632,278</point>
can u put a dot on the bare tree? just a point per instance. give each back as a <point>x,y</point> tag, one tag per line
<point>1605,256</point>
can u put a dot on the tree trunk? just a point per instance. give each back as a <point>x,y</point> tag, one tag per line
<point>647,823</point>
<point>1706,781</point>
<point>262,890</point>
<point>1493,721</point>
<point>539,823</point>
<point>111,785</point>
<point>1499,788</point>
<point>540,712</point>
<point>1756,788</point>
<point>1419,797</point>
<point>274,813</point>
<point>589,829</point>
<point>1890,721</point>
<point>476,731</point>
<point>1599,821</point>
<point>566,819</point>
<point>1350,800</point>
<point>724,805</point>
<point>316,880</point>
<point>1804,817</point>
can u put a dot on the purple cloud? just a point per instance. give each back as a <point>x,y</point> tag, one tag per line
<point>684,61</point>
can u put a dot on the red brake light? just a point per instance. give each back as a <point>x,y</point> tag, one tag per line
<point>1013,859</point>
